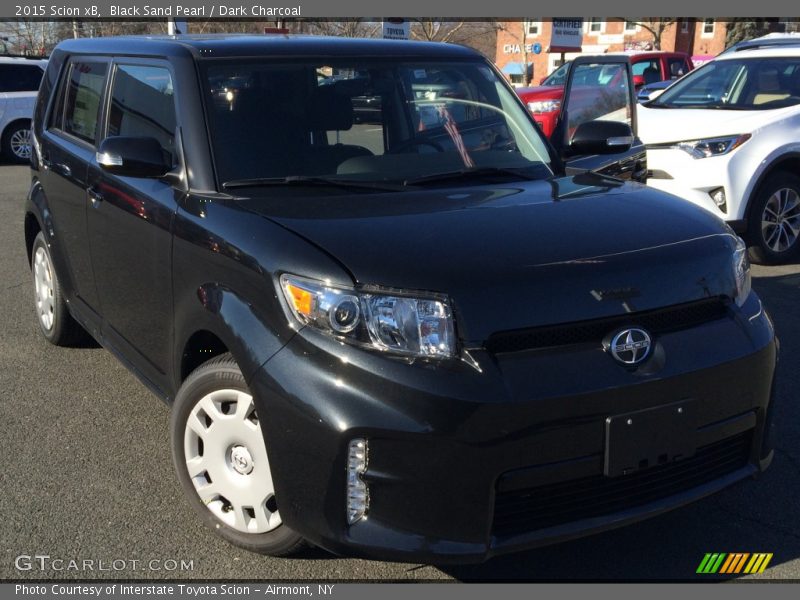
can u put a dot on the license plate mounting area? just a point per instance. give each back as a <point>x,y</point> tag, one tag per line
<point>651,437</point>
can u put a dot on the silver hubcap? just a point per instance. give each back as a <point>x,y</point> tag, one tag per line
<point>227,461</point>
<point>780,221</point>
<point>21,143</point>
<point>43,285</point>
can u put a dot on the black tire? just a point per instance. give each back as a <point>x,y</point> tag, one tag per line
<point>17,128</point>
<point>63,330</point>
<point>764,249</point>
<point>220,373</point>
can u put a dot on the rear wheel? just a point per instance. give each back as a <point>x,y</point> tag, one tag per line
<point>55,322</point>
<point>774,226</point>
<point>219,453</point>
<point>17,142</point>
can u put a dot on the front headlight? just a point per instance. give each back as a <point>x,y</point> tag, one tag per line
<point>398,322</point>
<point>712,146</point>
<point>544,106</point>
<point>741,271</point>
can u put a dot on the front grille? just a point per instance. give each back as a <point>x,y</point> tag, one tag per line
<point>521,511</point>
<point>663,320</point>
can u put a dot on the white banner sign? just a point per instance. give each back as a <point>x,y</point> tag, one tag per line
<point>396,29</point>
<point>567,35</point>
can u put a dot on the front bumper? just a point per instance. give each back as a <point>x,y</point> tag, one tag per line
<point>462,457</point>
<point>677,173</point>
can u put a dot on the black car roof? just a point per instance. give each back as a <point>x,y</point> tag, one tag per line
<point>226,45</point>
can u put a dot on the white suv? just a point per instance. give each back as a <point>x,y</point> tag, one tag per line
<point>19,83</point>
<point>727,137</point>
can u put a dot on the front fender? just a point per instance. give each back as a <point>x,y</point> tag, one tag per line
<point>36,205</point>
<point>235,321</point>
<point>226,265</point>
<point>752,175</point>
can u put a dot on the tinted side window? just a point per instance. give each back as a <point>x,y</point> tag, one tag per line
<point>143,104</point>
<point>20,78</point>
<point>84,92</point>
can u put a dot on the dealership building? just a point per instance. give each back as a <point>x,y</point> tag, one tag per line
<point>523,45</point>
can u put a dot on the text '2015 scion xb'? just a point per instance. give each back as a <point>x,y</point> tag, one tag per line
<point>416,332</point>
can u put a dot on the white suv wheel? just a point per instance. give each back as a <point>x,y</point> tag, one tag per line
<point>780,220</point>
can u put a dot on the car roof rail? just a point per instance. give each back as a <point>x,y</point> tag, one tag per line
<point>759,44</point>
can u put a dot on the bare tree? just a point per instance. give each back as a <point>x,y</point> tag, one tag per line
<point>25,36</point>
<point>655,25</point>
<point>481,35</point>
<point>353,28</point>
<point>435,30</point>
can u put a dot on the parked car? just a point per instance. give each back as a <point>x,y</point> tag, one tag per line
<point>726,138</point>
<point>454,346</point>
<point>19,83</point>
<point>544,101</point>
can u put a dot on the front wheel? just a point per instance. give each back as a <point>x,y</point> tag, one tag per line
<point>17,142</point>
<point>219,454</point>
<point>774,226</point>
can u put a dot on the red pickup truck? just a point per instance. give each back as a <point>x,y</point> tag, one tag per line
<point>544,101</point>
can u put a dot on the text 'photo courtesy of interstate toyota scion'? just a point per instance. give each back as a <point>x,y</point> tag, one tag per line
<point>391,319</point>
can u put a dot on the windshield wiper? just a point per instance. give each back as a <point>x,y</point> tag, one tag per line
<point>309,181</point>
<point>464,174</point>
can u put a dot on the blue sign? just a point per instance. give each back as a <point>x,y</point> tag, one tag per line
<point>537,48</point>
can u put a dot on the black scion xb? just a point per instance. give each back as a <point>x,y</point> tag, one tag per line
<point>416,332</point>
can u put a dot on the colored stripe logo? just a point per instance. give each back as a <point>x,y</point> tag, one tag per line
<point>736,562</point>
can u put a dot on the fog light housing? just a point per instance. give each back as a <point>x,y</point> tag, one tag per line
<point>718,196</point>
<point>357,492</point>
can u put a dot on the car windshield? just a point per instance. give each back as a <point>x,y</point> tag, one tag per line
<point>557,77</point>
<point>382,121</point>
<point>737,84</point>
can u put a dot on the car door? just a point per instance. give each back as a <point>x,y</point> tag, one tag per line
<point>600,88</point>
<point>67,146</point>
<point>130,221</point>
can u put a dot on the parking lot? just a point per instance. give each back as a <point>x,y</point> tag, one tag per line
<point>87,472</point>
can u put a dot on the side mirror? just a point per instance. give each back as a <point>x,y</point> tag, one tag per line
<point>601,137</point>
<point>133,157</point>
<point>638,81</point>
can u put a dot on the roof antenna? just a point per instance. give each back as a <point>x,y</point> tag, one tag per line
<point>177,27</point>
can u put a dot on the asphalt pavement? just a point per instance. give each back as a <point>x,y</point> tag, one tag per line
<point>86,472</point>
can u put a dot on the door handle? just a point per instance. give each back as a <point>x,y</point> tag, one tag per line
<point>93,195</point>
<point>60,168</point>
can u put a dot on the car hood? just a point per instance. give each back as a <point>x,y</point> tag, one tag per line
<point>545,92</point>
<point>662,125</point>
<point>524,254</point>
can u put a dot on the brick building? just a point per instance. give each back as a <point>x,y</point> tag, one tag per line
<point>521,43</point>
